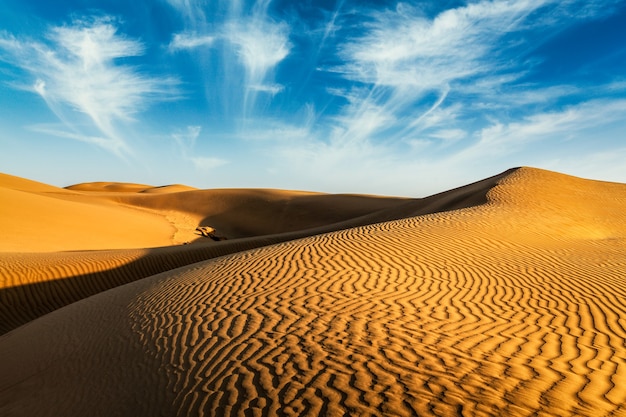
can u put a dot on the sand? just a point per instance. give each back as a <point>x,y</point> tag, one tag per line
<point>505,297</point>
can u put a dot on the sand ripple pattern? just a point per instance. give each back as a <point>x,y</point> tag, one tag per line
<point>515,307</point>
<point>433,315</point>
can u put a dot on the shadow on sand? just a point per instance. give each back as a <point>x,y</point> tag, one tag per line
<point>21,304</point>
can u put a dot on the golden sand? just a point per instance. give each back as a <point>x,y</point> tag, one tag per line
<point>506,297</point>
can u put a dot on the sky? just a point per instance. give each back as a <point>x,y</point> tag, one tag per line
<point>376,97</point>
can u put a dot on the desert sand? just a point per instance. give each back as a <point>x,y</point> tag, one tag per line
<point>504,297</point>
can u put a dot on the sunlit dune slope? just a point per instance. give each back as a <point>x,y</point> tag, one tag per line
<point>102,186</point>
<point>124,187</point>
<point>35,217</point>
<point>33,284</point>
<point>513,307</point>
<point>40,218</point>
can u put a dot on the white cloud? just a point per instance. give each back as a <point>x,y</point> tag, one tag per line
<point>207,163</point>
<point>192,10</point>
<point>361,121</point>
<point>436,114</point>
<point>404,48</point>
<point>569,122</point>
<point>272,89</point>
<point>186,142</point>
<point>317,159</point>
<point>415,77</point>
<point>606,165</point>
<point>449,135</point>
<point>8,42</point>
<point>573,126</point>
<point>276,130</point>
<point>405,58</point>
<point>247,43</point>
<point>115,146</point>
<point>76,70</point>
<point>260,46</point>
<point>182,41</point>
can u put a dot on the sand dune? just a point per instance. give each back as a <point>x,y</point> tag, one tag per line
<point>116,187</point>
<point>40,218</point>
<point>34,284</point>
<point>104,215</point>
<point>506,297</point>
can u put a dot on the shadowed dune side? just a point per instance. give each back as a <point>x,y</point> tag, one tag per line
<point>103,215</point>
<point>33,284</point>
<point>164,189</point>
<point>240,213</point>
<point>471,195</point>
<point>508,308</point>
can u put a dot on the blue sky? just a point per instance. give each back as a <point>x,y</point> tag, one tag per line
<point>378,97</point>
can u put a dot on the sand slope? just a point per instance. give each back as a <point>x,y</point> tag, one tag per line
<point>39,218</point>
<point>513,307</point>
<point>104,215</point>
<point>33,284</point>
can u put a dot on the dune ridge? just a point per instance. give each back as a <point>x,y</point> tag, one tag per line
<point>512,306</point>
<point>33,284</point>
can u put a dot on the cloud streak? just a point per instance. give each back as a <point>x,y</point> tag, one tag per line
<point>186,143</point>
<point>404,57</point>
<point>260,46</point>
<point>413,78</point>
<point>341,95</point>
<point>564,125</point>
<point>185,40</point>
<point>247,42</point>
<point>403,47</point>
<point>76,72</point>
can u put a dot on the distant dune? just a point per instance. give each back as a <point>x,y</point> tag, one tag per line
<point>503,297</point>
<point>117,187</point>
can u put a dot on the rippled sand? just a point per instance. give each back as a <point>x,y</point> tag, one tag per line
<point>506,297</point>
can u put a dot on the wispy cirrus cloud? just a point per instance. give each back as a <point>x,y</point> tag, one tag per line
<point>207,163</point>
<point>75,70</point>
<point>402,47</point>
<point>404,84</point>
<point>190,40</point>
<point>58,131</point>
<point>564,136</point>
<point>260,45</point>
<point>246,41</point>
<point>418,78</point>
<point>398,43</point>
<point>186,139</point>
<point>404,57</point>
<point>191,10</point>
<point>562,125</point>
<point>186,143</point>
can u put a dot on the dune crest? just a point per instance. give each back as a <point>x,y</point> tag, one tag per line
<point>109,187</point>
<point>514,307</point>
<point>35,284</point>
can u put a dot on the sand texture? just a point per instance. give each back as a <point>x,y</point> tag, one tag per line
<point>33,284</point>
<point>505,297</point>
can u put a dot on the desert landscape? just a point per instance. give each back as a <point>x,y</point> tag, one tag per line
<point>503,297</point>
